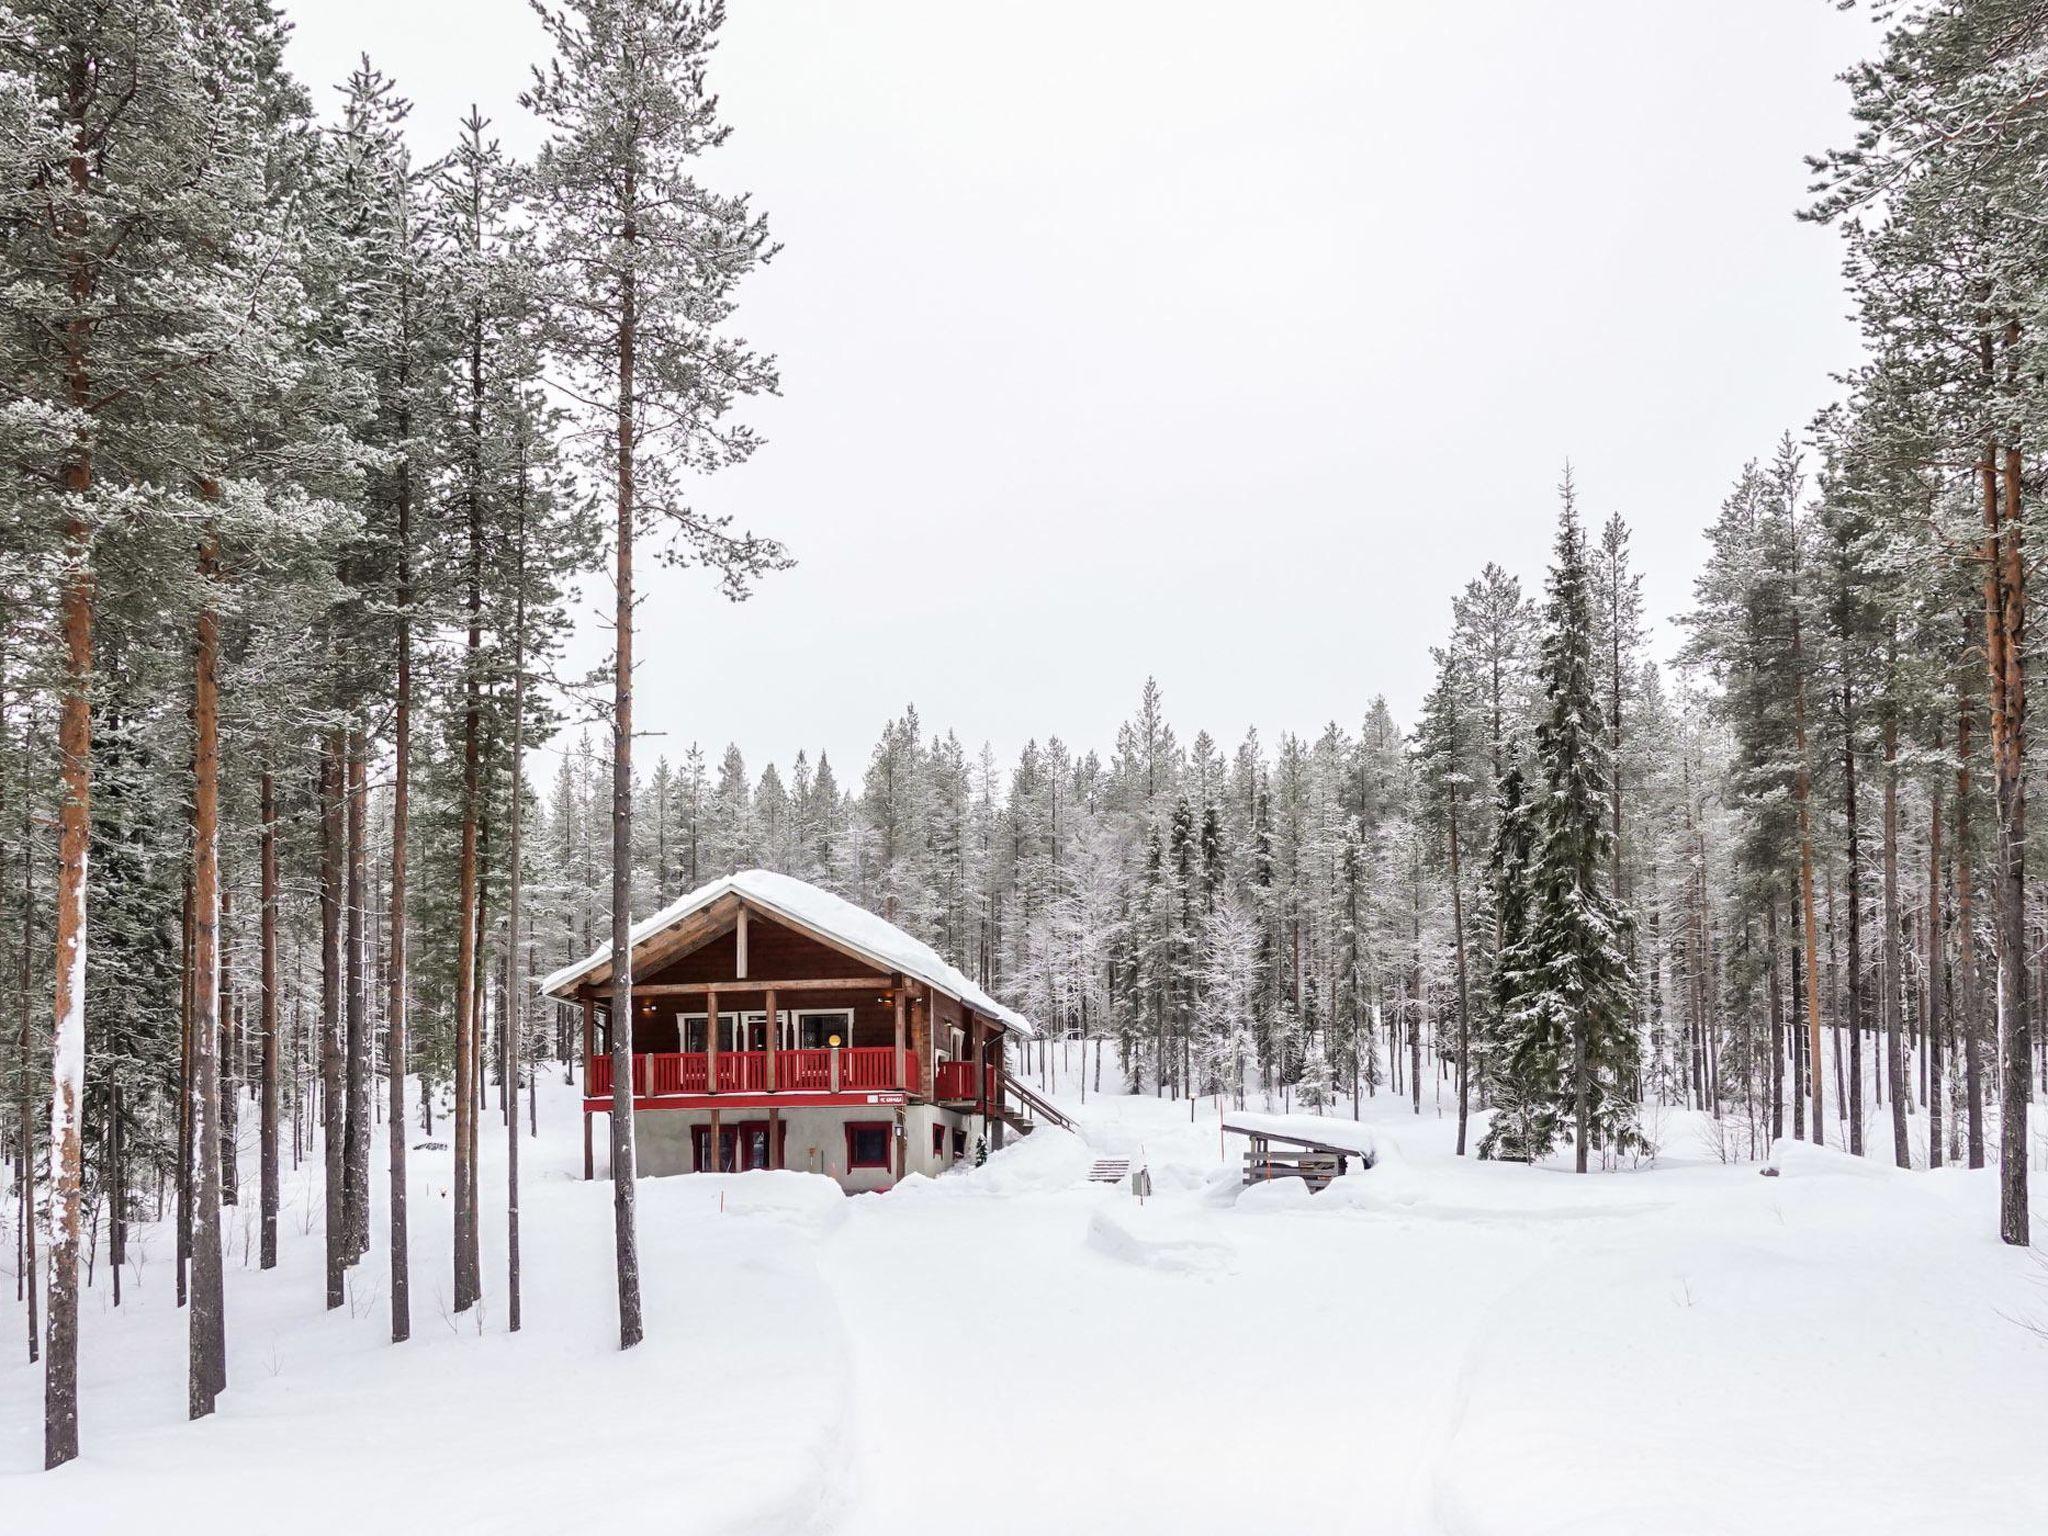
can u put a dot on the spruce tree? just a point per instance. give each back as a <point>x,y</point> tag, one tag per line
<point>1575,984</point>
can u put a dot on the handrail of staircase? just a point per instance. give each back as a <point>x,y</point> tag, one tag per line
<point>1038,1106</point>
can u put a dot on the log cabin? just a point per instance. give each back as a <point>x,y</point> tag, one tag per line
<point>776,1025</point>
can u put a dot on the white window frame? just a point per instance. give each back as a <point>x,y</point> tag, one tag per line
<point>794,1019</point>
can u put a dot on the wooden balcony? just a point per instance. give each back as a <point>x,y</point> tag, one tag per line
<point>956,1083</point>
<point>848,1074</point>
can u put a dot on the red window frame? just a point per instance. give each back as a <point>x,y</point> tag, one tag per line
<point>959,1146</point>
<point>853,1160</point>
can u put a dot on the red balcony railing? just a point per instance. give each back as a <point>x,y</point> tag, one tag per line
<point>956,1082</point>
<point>862,1069</point>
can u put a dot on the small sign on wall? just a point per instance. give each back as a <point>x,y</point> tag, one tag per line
<point>886,1098</point>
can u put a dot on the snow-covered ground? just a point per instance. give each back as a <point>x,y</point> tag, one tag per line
<point>1434,1345</point>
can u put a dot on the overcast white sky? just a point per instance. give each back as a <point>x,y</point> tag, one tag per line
<point>1214,342</point>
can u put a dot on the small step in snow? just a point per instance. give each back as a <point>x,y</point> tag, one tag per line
<point>1109,1170</point>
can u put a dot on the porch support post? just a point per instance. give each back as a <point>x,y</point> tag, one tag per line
<point>996,1126</point>
<point>740,944</point>
<point>715,1156</point>
<point>980,1027</point>
<point>774,1038</point>
<point>775,1139</point>
<point>897,993</point>
<point>711,1053</point>
<point>589,1032</point>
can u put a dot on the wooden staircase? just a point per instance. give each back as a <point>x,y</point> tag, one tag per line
<point>1029,1110</point>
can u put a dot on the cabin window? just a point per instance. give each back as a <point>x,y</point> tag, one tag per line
<point>938,1143</point>
<point>958,1042</point>
<point>815,1027</point>
<point>867,1144</point>
<point>959,1146</point>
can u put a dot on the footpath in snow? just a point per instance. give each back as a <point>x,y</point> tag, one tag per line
<point>1433,1345</point>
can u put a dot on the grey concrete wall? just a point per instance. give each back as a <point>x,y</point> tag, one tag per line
<point>816,1140</point>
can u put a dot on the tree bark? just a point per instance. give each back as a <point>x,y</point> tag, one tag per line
<point>1895,1062</point>
<point>1936,1087</point>
<point>2005,652</point>
<point>1853,884</point>
<point>74,824</point>
<point>1969,1002</point>
<point>468,1272</point>
<point>332,1119</point>
<point>514,1016</point>
<point>624,1170</point>
<point>267,1172</point>
<point>397,998</point>
<point>208,1375</point>
<point>1464,1007</point>
<point>1802,794</point>
<point>356,1170</point>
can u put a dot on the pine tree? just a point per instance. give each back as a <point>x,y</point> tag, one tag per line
<point>640,262</point>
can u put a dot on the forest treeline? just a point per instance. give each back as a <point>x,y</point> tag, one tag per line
<point>311,438</point>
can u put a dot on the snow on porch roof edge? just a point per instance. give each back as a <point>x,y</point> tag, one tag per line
<point>810,906</point>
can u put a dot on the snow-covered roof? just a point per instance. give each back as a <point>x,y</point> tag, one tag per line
<point>874,939</point>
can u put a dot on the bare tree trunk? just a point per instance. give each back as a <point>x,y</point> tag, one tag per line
<point>624,1169</point>
<point>397,998</point>
<point>1853,881</point>
<point>333,1127</point>
<point>2005,651</point>
<point>1936,1086</point>
<point>1895,1063</point>
<point>267,1171</point>
<point>1464,1003</point>
<point>1802,794</point>
<point>208,1316</point>
<point>24,1066</point>
<point>356,1169</point>
<point>514,1015</point>
<point>468,1272</point>
<point>1774,1090</point>
<point>230,1171</point>
<point>74,824</point>
<point>185,1005</point>
<point>1969,1001</point>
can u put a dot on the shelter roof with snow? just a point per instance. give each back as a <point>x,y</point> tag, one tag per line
<point>712,911</point>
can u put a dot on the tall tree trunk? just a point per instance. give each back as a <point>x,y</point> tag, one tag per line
<point>1774,1090</point>
<point>1464,1001</point>
<point>1969,999</point>
<point>513,1022</point>
<point>74,821</point>
<point>397,997</point>
<point>25,1151</point>
<point>1895,1062</point>
<point>1853,881</point>
<point>624,1170</point>
<point>1802,794</point>
<point>208,1316</point>
<point>186,999</point>
<point>1937,1087</point>
<point>267,1170</point>
<point>356,1169</point>
<point>468,1272</point>
<point>230,1171</point>
<point>333,1126</point>
<point>2005,652</point>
